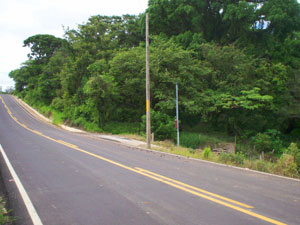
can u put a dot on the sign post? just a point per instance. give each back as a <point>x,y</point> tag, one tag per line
<point>177,115</point>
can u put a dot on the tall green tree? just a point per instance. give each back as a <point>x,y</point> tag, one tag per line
<point>43,46</point>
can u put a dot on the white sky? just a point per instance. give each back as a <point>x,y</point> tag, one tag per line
<point>20,19</point>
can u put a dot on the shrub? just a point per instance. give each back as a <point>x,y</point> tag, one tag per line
<point>121,128</point>
<point>89,126</point>
<point>268,141</point>
<point>161,124</point>
<point>295,152</point>
<point>287,166</point>
<point>224,157</point>
<point>237,159</point>
<point>58,104</point>
<point>5,218</point>
<point>261,165</point>
<point>31,97</point>
<point>58,117</point>
<point>79,122</point>
<point>195,140</point>
<point>190,140</point>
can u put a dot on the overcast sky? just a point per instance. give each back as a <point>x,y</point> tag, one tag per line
<point>20,19</point>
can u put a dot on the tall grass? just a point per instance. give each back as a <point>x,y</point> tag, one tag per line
<point>206,153</point>
<point>285,165</point>
<point>5,218</point>
<point>198,140</point>
<point>56,116</point>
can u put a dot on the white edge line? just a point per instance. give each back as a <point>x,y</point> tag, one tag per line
<point>30,208</point>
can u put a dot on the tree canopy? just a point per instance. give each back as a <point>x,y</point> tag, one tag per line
<point>236,64</point>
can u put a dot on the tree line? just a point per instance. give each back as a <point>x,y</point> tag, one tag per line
<point>237,64</point>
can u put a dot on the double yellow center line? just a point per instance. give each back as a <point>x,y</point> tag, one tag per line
<point>227,202</point>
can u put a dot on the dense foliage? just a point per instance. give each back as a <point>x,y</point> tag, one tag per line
<point>237,64</point>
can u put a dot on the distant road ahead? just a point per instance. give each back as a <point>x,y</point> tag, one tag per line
<point>76,178</point>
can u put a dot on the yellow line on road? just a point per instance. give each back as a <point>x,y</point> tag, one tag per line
<point>197,189</point>
<point>34,131</point>
<point>171,182</point>
<point>217,201</point>
<point>66,144</point>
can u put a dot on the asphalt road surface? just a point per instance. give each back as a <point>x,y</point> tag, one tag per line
<point>74,178</point>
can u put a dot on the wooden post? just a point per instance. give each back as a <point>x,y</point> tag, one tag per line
<point>148,125</point>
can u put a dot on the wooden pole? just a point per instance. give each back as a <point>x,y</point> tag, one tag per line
<point>148,125</point>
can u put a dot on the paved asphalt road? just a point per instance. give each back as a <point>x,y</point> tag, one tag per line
<point>75,178</point>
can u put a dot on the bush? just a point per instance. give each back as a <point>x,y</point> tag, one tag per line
<point>190,140</point>
<point>294,151</point>
<point>224,157</point>
<point>268,141</point>
<point>79,122</point>
<point>236,159</point>
<point>262,166</point>
<point>195,140</point>
<point>287,166</point>
<point>58,117</point>
<point>121,128</point>
<point>162,125</point>
<point>58,104</point>
<point>92,127</point>
<point>31,97</point>
<point>239,158</point>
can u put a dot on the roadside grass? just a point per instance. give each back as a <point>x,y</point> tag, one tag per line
<point>56,116</point>
<point>196,140</point>
<point>284,166</point>
<point>121,128</point>
<point>5,218</point>
<point>134,136</point>
<point>169,147</point>
<point>92,127</point>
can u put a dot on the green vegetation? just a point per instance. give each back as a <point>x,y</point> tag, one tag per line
<point>237,64</point>
<point>196,140</point>
<point>122,128</point>
<point>206,153</point>
<point>285,165</point>
<point>5,218</point>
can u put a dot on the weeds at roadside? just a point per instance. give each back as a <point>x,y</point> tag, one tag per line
<point>284,166</point>
<point>5,218</point>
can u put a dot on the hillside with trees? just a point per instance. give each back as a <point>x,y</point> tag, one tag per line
<point>237,65</point>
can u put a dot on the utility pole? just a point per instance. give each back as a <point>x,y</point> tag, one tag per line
<point>177,114</point>
<point>148,121</point>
